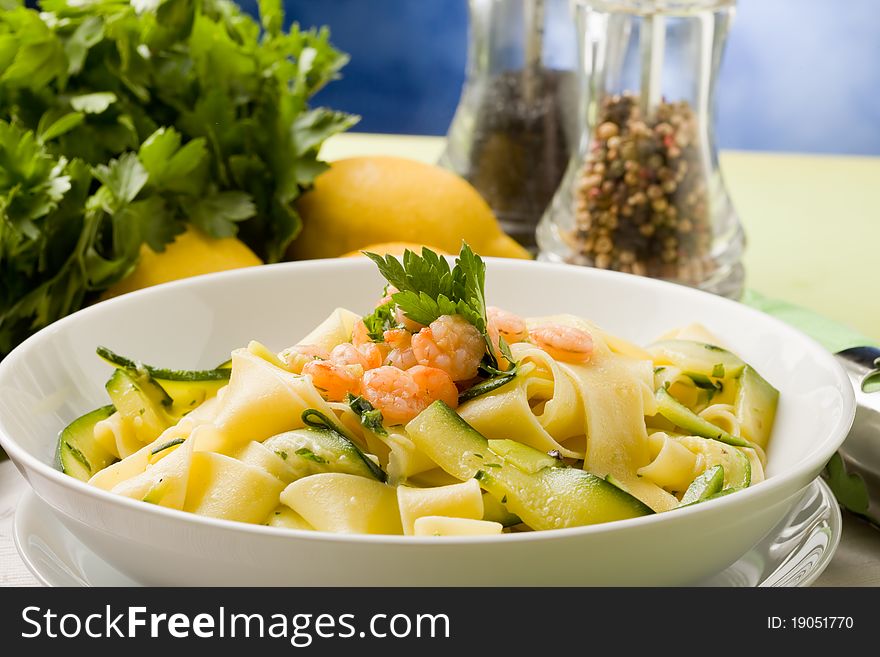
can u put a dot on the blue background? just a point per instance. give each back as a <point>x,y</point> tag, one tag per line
<point>798,75</point>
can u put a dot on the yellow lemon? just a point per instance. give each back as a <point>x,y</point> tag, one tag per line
<point>370,200</point>
<point>190,254</point>
<point>392,248</point>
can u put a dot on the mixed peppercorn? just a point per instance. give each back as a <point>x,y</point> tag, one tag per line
<point>641,202</point>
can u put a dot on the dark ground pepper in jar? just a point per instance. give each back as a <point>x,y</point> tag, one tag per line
<point>641,203</point>
<point>521,148</point>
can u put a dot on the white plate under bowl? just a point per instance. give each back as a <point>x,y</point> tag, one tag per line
<point>55,376</point>
<point>794,553</point>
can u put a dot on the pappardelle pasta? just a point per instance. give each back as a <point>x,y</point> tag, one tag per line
<point>433,415</point>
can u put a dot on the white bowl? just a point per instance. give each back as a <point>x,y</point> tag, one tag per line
<point>55,376</point>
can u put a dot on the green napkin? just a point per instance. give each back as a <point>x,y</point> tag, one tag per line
<point>849,488</point>
<point>831,335</point>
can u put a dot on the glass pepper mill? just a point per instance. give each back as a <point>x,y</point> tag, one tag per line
<point>514,130</point>
<point>644,193</point>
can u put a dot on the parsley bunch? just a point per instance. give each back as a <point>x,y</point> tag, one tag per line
<point>122,122</point>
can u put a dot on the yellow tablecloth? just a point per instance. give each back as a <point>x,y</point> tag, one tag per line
<point>812,222</point>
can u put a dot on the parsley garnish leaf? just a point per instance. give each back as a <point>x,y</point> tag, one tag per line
<point>371,418</point>
<point>380,320</point>
<point>504,348</point>
<point>427,288</point>
<point>390,268</point>
<point>497,379</point>
<point>314,418</point>
<point>423,308</point>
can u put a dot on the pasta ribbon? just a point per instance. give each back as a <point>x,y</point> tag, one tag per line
<point>223,487</point>
<point>164,483</point>
<point>539,407</point>
<point>674,466</point>
<point>612,390</point>
<point>464,500</point>
<point>345,503</point>
<point>138,462</point>
<point>334,330</point>
<point>118,436</point>
<point>405,460</point>
<point>262,400</point>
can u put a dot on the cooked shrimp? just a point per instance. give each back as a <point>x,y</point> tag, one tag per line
<point>346,353</point>
<point>388,292</point>
<point>406,322</point>
<point>374,354</point>
<point>504,324</point>
<point>309,350</point>
<point>509,326</point>
<point>359,334</point>
<point>397,338</point>
<point>401,354</point>
<point>367,355</point>
<point>295,358</point>
<point>452,344</point>
<point>401,395</point>
<point>399,315</point>
<point>435,384</point>
<point>334,381</point>
<point>564,343</point>
<point>495,340</point>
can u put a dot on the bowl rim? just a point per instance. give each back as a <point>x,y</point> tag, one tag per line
<point>821,453</point>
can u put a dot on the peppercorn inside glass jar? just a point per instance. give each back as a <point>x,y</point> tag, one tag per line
<point>645,194</point>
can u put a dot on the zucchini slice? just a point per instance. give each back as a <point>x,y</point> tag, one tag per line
<point>161,451</point>
<point>681,416</point>
<point>220,373</point>
<point>756,403</point>
<point>526,458</point>
<point>312,450</point>
<point>704,486</point>
<point>714,496</point>
<point>549,498</point>
<point>737,467</point>
<point>136,395</point>
<point>698,358</point>
<point>495,511</point>
<point>78,454</point>
<point>187,388</point>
